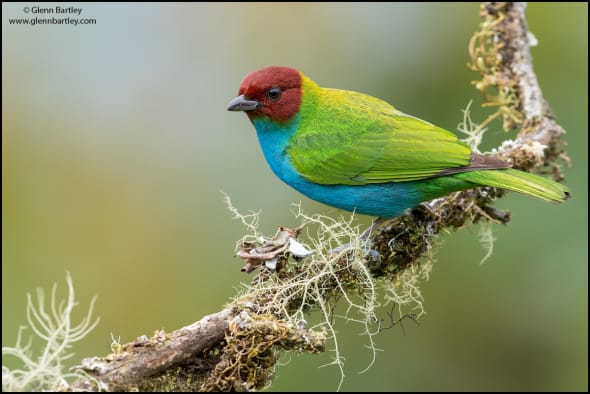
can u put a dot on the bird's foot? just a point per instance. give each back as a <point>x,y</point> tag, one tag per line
<point>374,226</point>
<point>373,256</point>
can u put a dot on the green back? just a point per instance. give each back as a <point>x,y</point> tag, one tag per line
<point>351,138</point>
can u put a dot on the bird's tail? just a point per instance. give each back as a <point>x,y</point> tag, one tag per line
<point>521,182</point>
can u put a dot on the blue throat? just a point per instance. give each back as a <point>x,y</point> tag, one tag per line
<point>385,199</point>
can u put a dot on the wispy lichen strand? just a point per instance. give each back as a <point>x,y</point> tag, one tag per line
<point>58,333</point>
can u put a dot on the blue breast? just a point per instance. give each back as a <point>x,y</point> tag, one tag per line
<point>385,199</point>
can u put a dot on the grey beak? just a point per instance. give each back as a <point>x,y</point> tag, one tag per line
<point>241,103</point>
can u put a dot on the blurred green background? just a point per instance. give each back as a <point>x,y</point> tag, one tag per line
<point>116,145</point>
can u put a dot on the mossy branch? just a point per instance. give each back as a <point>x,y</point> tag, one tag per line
<point>236,348</point>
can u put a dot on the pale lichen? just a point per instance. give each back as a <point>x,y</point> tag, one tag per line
<point>339,270</point>
<point>55,328</point>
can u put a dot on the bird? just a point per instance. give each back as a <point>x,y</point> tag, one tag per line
<point>358,153</point>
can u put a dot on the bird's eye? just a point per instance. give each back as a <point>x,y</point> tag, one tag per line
<point>274,93</point>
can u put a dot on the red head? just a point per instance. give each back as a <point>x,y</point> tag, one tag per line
<point>274,92</point>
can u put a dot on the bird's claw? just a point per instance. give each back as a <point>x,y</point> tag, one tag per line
<point>373,257</point>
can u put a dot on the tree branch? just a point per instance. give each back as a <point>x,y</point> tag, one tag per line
<point>145,357</point>
<point>235,349</point>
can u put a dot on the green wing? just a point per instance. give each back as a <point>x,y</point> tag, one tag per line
<point>351,138</point>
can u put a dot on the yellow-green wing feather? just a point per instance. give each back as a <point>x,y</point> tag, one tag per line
<point>350,138</point>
